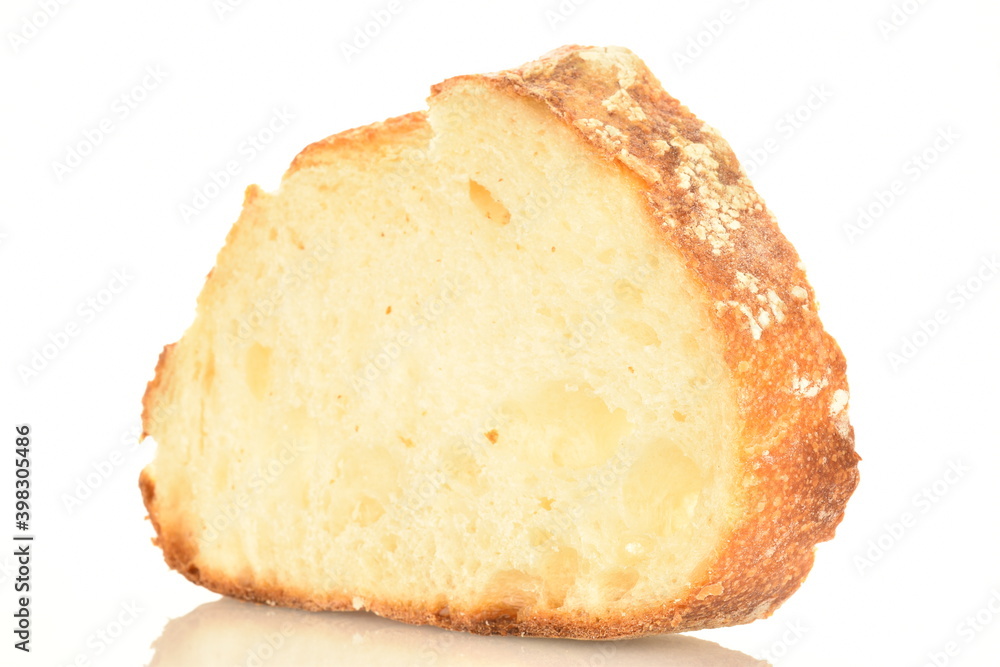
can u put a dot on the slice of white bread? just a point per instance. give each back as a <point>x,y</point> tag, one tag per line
<point>536,361</point>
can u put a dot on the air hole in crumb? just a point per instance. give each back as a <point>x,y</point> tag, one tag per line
<point>561,565</point>
<point>539,536</point>
<point>406,441</point>
<point>511,592</point>
<point>640,332</point>
<point>661,489</point>
<point>628,292</point>
<point>487,204</point>
<point>367,511</point>
<point>388,310</point>
<point>680,416</point>
<point>616,583</point>
<point>209,374</point>
<point>258,369</point>
<point>577,428</point>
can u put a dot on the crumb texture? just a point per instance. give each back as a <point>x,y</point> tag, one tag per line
<point>535,361</point>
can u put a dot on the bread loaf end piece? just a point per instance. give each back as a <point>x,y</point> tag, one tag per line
<point>605,406</point>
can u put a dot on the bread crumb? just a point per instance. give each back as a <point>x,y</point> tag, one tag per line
<point>492,436</point>
<point>388,310</point>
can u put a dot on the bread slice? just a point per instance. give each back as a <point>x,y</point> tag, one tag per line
<point>535,361</point>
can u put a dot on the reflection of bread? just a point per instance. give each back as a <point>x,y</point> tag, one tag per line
<point>538,361</point>
<point>226,632</point>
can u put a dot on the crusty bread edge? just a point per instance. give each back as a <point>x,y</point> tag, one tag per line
<point>803,466</point>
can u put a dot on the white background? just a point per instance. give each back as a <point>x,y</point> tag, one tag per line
<point>918,554</point>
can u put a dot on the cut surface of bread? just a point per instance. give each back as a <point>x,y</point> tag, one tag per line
<point>535,361</point>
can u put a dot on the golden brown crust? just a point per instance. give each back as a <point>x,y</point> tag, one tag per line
<point>381,134</point>
<point>799,465</point>
<point>153,389</point>
<point>799,448</point>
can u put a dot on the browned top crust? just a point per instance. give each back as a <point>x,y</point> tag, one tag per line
<point>383,134</point>
<point>800,464</point>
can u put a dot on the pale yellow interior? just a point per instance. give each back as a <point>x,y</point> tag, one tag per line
<point>463,369</point>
